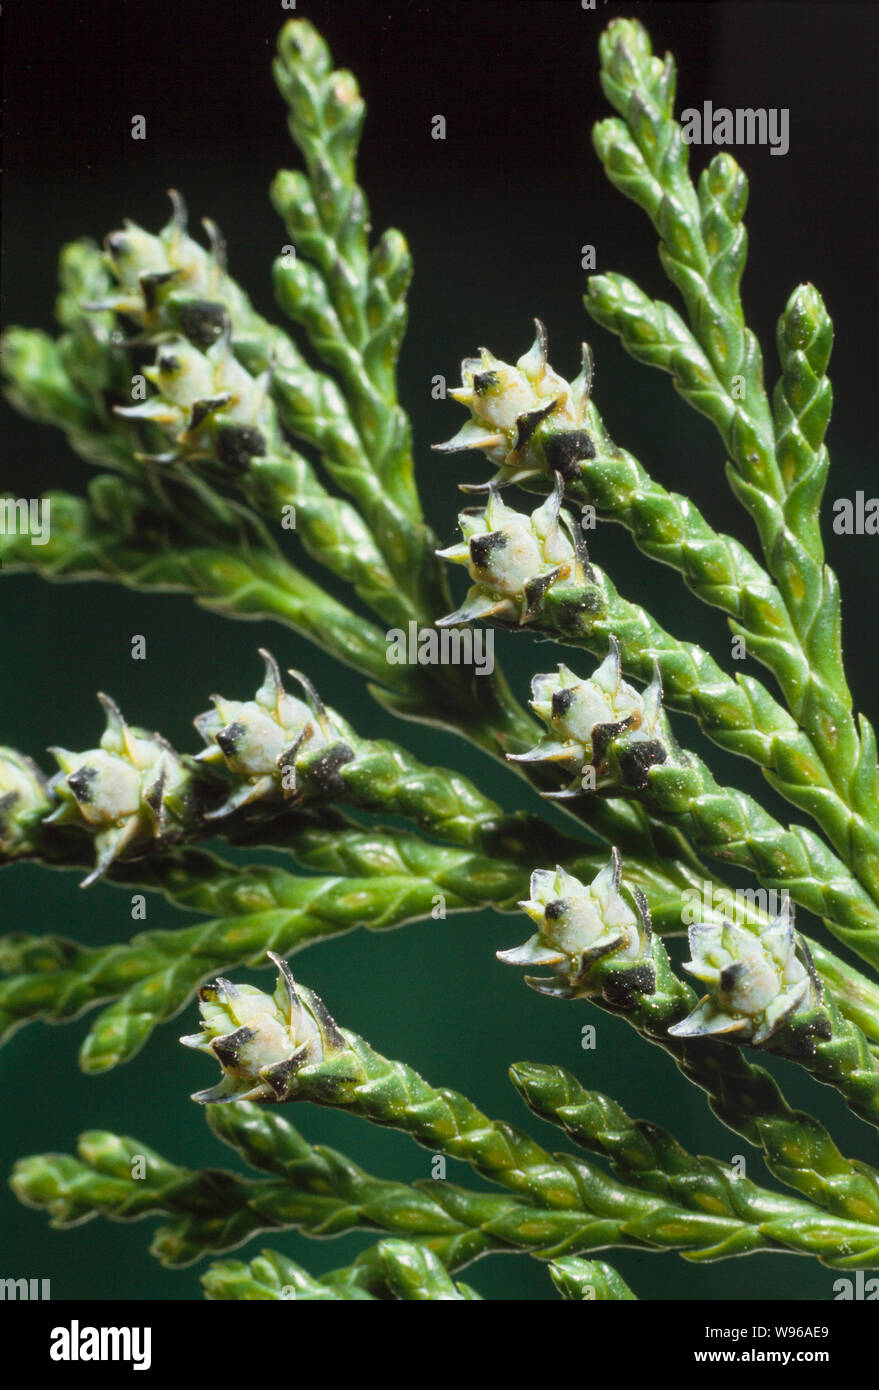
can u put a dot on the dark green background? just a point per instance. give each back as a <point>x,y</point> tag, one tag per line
<point>496,216</point>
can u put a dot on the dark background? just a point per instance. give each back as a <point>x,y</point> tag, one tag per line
<point>495,216</point>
